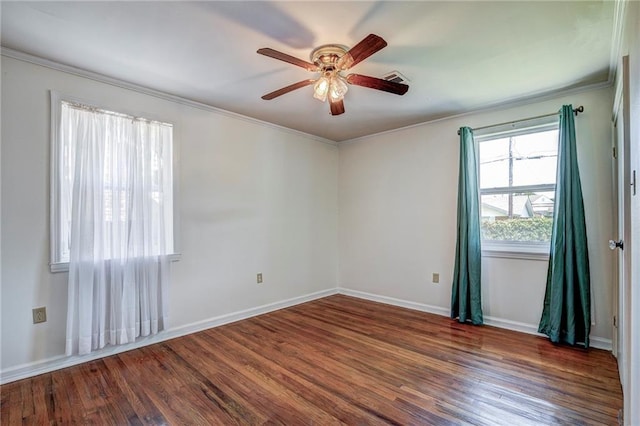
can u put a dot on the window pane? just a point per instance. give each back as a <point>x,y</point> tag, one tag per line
<point>535,158</point>
<point>510,163</point>
<point>517,216</point>
<point>494,163</point>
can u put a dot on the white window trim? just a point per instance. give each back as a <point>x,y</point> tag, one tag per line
<point>542,124</point>
<point>54,199</point>
<point>516,249</point>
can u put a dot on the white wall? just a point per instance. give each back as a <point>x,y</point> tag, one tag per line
<point>252,198</point>
<point>255,198</point>
<point>397,220</point>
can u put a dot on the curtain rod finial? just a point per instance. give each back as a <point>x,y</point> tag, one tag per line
<point>578,110</point>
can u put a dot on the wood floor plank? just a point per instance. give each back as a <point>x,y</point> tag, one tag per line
<point>219,382</point>
<point>319,379</point>
<point>11,404</point>
<point>336,360</point>
<point>254,387</point>
<point>358,389</point>
<point>27,400</point>
<point>407,361</point>
<point>176,395</point>
<point>61,408</point>
<point>277,368</point>
<point>119,376</point>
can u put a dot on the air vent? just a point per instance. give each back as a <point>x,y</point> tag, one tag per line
<point>396,77</point>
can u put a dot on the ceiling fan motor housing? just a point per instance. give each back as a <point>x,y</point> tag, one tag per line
<point>327,55</point>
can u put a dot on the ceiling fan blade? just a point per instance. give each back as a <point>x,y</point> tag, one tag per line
<point>287,58</point>
<point>377,83</point>
<point>337,107</point>
<point>361,51</point>
<point>287,89</point>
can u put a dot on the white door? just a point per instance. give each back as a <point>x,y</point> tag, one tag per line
<point>618,203</point>
<point>621,202</point>
<point>624,333</point>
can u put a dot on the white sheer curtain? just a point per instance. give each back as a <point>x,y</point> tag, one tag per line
<point>119,169</point>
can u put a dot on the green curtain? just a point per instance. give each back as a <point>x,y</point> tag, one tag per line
<point>566,316</point>
<point>466,300</point>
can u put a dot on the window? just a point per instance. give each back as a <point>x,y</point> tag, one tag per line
<point>131,188</point>
<point>517,188</point>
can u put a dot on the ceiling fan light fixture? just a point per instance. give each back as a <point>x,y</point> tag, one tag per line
<point>321,88</point>
<point>338,87</point>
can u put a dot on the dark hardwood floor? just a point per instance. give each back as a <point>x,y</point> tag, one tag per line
<point>330,361</point>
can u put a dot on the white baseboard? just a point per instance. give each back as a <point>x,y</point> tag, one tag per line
<point>395,302</point>
<point>600,343</point>
<point>31,369</point>
<point>27,370</point>
<point>595,342</point>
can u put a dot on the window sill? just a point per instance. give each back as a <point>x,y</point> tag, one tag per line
<point>509,250</point>
<point>64,266</point>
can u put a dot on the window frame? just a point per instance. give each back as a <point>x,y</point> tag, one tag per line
<point>532,250</point>
<point>56,99</point>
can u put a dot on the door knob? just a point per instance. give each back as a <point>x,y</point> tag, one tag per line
<point>616,244</point>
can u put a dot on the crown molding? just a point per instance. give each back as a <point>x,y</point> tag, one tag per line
<point>546,96</point>
<point>37,60</point>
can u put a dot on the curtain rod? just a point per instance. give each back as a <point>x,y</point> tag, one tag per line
<point>576,111</point>
<point>83,107</point>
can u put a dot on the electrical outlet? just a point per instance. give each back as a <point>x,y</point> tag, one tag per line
<point>39,315</point>
<point>259,278</point>
<point>435,278</point>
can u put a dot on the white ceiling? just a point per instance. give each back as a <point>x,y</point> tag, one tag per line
<point>458,56</point>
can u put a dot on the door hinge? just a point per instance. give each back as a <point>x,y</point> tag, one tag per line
<point>615,321</point>
<point>615,154</point>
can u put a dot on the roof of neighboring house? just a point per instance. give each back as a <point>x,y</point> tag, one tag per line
<point>523,205</point>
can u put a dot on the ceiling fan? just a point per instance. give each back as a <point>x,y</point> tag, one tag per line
<point>330,60</point>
